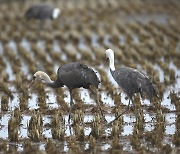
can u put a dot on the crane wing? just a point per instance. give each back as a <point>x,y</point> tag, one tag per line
<point>75,75</point>
<point>132,81</point>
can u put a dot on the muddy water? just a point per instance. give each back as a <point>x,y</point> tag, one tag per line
<point>143,36</point>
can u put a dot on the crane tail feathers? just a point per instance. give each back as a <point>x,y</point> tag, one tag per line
<point>150,90</point>
<point>93,79</point>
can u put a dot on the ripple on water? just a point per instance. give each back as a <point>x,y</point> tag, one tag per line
<point>105,146</point>
<point>27,45</point>
<point>127,130</point>
<point>88,118</point>
<point>66,148</point>
<point>33,102</point>
<point>149,117</point>
<point>12,45</point>
<point>109,118</point>
<point>166,102</point>
<point>170,118</point>
<point>51,101</point>
<point>170,129</point>
<point>56,47</point>
<point>149,127</point>
<point>86,97</point>
<point>42,146</point>
<point>107,99</point>
<point>129,118</point>
<point>47,132</point>
<point>23,127</point>
<point>67,96</point>
<point>87,131</point>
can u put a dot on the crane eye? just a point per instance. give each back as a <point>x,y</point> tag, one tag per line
<point>34,77</point>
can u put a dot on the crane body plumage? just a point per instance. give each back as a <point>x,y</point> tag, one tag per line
<point>42,12</point>
<point>76,75</point>
<point>133,81</point>
<point>130,80</point>
<point>72,75</point>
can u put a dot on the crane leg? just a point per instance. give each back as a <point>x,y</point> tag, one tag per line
<point>71,105</point>
<point>95,92</point>
<point>135,109</point>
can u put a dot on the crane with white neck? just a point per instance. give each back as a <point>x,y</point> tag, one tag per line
<point>42,12</point>
<point>72,75</point>
<point>131,81</point>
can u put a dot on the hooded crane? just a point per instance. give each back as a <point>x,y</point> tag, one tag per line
<point>42,12</point>
<point>73,75</point>
<point>130,80</point>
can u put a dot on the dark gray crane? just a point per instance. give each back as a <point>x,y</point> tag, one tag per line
<point>72,75</point>
<point>131,80</point>
<point>42,12</point>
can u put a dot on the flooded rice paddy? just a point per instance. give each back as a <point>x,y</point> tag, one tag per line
<point>144,35</point>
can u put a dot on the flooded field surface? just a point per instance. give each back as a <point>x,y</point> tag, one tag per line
<point>143,34</point>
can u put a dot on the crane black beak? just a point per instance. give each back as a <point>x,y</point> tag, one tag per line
<point>32,82</point>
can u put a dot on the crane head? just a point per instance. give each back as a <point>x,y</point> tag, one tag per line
<point>56,13</point>
<point>109,53</point>
<point>38,76</point>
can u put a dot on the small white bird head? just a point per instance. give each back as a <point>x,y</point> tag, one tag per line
<point>41,76</point>
<point>56,13</point>
<point>109,53</point>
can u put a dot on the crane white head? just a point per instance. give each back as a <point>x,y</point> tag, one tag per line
<point>41,76</point>
<point>110,55</point>
<point>56,13</point>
